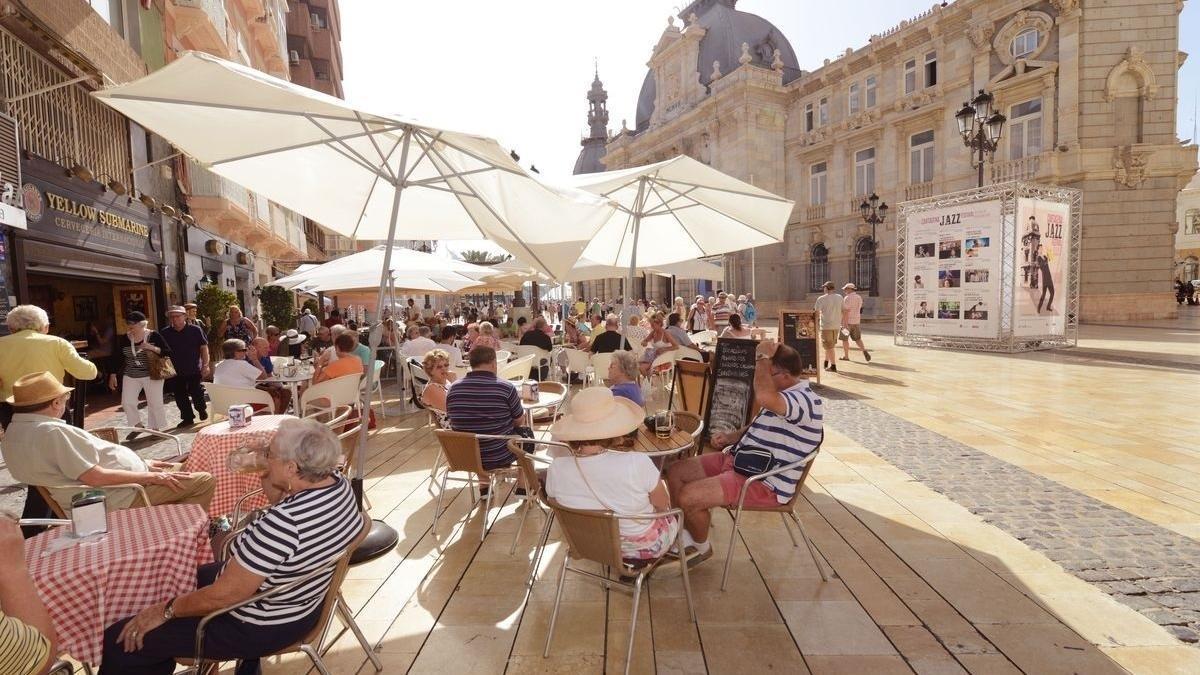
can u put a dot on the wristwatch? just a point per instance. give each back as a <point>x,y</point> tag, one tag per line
<point>169,610</point>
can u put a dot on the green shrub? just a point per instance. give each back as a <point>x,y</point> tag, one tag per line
<point>278,307</point>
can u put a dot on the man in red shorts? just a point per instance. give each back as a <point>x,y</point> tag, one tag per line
<point>789,426</point>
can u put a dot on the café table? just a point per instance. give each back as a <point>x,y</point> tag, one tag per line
<point>211,449</point>
<point>647,442</point>
<point>546,400</point>
<point>149,555</point>
<point>304,374</point>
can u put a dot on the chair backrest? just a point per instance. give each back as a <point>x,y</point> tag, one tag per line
<point>349,440</point>
<point>691,387</point>
<point>600,363</point>
<point>691,423</point>
<point>461,450</point>
<point>51,502</point>
<point>339,391</point>
<point>542,355</point>
<point>704,336</point>
<point>664,359</point>
<point>517,369</point>
<point>509,346</point>
<point>577,360</point>
<point>376,383</point>
<point>417,371</point>
<point>329,602</point>
<point>590,535</point>
<point>688,354</point>
<point>108,434</point>
<point>502,356</point>
<point>222,396</point>
<point>525,463</point>
<point>553,387</point>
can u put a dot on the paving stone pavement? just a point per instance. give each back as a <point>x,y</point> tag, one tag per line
<point>1145,566</point>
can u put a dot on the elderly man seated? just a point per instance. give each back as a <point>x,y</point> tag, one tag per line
<point>419,342</point>
<point>610,339</point>
<point>41,449</point>
<point>242,368</point>
<point>789,426</point>
<point>481,403</point>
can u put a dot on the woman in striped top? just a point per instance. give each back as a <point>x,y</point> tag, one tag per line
<point>26,631</point>
<point>313,518</point>
<point>131,366</point>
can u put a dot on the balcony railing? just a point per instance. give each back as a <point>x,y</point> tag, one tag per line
<point>918,191</point>
<point>1024,168</point>
<point>814,212</point>
<point>205,183</point>
<point>201,25</point>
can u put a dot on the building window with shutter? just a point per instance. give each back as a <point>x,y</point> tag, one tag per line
<point>870,91</point>
<point>808,117</point>
<point>921,158</point>
<point>864,172</point>
<point>854,99</point>
<point>910,76</point>
<point>931,69</point>
<point>823,111</point>
<point>817,184</point>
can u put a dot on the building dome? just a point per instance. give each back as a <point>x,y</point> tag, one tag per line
<point>727,28</point>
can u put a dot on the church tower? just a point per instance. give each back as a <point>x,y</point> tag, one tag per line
<point>593,144</point>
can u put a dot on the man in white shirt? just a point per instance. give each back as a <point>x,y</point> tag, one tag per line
<point>829,313</point>
<point>851,318</point>
<point>419,343</point>
<point>307,323</point>
<point>235,370</point>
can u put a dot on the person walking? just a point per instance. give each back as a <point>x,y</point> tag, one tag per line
<point>131,361</point>
<point>189,354</point>
<point>308,323</point>
<point>829,314</point>
<point>851,318</point>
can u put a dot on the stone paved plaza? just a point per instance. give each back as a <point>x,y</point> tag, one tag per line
<point>980,513</point>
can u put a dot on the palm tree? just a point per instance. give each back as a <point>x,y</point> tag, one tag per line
<point>484,257</point>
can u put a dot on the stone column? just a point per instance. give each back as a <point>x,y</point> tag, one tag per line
<point>1068,21</point>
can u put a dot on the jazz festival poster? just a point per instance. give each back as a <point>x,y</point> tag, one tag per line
<point>954,271</point>
<point>1040,277</point>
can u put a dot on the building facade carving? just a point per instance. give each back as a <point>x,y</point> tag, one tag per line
<point>1083,104</point>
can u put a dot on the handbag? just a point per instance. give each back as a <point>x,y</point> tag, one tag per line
<point>160,367</point>
<point>751,461</point>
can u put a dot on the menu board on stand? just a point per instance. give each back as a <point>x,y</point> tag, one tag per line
<point>798,330</point>
<point>731,388</point>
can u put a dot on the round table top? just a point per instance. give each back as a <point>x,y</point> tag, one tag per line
<point>648,442</point>
<point>258,424</point>
<point>545,399</point>
<point>302,375</point>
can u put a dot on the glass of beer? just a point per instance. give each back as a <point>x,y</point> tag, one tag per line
<point>249,459</point>
<point>664,423</point>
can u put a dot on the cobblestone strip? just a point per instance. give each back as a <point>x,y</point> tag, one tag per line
<point>1145,566</point>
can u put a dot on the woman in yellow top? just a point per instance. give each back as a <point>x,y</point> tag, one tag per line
<point>29,349</point>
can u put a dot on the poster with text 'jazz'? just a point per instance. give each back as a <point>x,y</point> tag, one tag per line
<point>954,271</point>
<point>1040,277</point>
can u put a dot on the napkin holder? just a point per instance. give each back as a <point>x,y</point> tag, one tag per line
<point>529,390</point>
<point>89,513</point>
<point>240,415</point>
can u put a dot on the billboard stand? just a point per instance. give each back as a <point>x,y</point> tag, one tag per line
<point>989,269</point>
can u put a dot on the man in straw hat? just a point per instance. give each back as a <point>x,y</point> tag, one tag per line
<point>41,449</point>
<point>789,426</point>
<point>852,304</point>
<point>593,478</point>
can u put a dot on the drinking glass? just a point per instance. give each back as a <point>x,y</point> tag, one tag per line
<point>248,460</point>
<point>664,423</point>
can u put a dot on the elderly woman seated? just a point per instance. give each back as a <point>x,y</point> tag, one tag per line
<point>625,483</point>
<point>487,336</point>
<point>572,336</point>
<point>313,517</point>
<point>437,366</point>
<point>623,376</point>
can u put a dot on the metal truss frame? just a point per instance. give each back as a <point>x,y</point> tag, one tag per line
<point>1008,194</point>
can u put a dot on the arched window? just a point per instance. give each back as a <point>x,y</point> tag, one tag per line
<point>818,267</point>
<point>864,263</point>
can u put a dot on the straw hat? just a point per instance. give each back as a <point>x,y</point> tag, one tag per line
<point>176,309</point>
<point>596,414</point>
<point>36,388</point>
<point>295,337</point>
<point>850,287</point>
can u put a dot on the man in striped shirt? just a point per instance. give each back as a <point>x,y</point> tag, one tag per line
<point>789,425</point>
<point>721,310</point>
<point>481,403</point>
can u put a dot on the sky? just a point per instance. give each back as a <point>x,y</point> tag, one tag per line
<point>519,70</point>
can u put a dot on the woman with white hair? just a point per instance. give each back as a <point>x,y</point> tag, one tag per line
<point>29,349</point>
<point>623,376</point>
<point>313,517</point>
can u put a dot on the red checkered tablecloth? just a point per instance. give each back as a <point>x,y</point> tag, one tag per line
<point>211,448</point>
<point>149,555</point>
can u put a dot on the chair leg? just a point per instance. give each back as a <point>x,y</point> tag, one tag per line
<point>812,550</point>
<point>487,506</point>
<point>526,505</point>
<point>786,526</point>
<point>687,583</point>
<point>316,659</point>
<point>729,554</point>
<point>637,596</point>
<point>437,506</point>
<point>348,618</point>
<point>540,549</point>
<point>562,577</point>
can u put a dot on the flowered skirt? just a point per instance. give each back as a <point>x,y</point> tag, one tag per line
<point>653,542</point>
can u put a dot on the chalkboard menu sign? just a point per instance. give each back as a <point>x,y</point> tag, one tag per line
<point>798,330</point>
<point>731,393</point>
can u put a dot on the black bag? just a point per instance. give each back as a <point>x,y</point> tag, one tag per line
<point>751,462</point>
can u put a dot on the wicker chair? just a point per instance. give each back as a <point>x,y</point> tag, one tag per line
<point>461,452</point>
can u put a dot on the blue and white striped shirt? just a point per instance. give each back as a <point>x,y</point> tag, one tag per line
<point>790,437</point>
<point>481,403</point>
<point>296,536</point>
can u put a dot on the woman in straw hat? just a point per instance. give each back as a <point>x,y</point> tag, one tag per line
<point>626,483</point>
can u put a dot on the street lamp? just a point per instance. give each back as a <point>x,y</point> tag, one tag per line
<point>874,216</point>
<point>980,127</point>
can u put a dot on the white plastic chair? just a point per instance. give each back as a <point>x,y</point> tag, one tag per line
<point>340,391</point>
<point>502,356</point>
<point>222,396</point>
<point>418,378</point>
<point>577,363</point>
<point>600,363</point>
<point>517,369</point>
<point>704,336</point>
<point>377,385</point>
<point>666,359</point>
<point>688,354</point>
<point>541,357</point>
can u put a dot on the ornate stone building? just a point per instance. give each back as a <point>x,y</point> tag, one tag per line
<point>1089,89</point>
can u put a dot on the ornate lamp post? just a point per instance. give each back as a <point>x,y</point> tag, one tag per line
<point>874,216</point>
<point>980,127</point>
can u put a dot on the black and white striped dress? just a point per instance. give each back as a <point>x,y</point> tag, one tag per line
<point>296,536</point>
